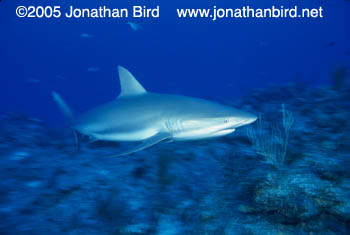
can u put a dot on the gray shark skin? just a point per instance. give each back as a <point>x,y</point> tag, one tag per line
<point>138,115</point>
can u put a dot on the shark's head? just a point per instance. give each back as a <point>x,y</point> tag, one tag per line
<point>205,119</point>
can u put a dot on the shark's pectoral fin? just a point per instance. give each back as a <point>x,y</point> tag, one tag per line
<point>145,144</point>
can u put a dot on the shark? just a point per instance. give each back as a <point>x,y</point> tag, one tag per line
<point>148,118</point>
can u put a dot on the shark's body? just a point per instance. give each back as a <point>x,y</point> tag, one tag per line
<point>138,115</point>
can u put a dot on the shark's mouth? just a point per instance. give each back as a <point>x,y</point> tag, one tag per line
<point>229,128</point>
<point>222,132</point>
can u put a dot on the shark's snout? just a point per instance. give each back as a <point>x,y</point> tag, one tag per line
<point>251,119</point>
<point>245,119</point>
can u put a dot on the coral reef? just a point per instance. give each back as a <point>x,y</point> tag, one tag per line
<point>217,186</point>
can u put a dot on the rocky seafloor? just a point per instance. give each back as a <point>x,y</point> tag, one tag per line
<point>216,186</point>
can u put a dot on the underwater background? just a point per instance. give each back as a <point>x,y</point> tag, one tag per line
<point>288,173</point>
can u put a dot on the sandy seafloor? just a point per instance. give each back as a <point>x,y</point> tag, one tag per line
<point>216,186</point>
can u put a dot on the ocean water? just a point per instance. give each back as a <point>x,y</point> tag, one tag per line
<point>286,173</point>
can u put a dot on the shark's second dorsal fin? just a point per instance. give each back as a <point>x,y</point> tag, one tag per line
<point>129,86</point>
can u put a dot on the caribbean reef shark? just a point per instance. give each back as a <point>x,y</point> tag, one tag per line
<point>139,115</point>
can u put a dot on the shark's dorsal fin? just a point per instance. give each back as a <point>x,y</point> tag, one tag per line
<point>129,86</point>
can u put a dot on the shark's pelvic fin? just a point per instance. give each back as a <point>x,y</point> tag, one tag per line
<point>145,144</point>
<point>129,86</point>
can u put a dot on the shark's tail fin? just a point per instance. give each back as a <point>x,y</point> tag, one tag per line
<point>68,114</point>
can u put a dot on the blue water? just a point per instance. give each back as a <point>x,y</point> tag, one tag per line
<point>289,61</point>
<point>226,58</point>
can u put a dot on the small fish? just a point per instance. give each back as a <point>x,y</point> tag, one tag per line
<point>33,80</point>
<point>263,44</point>
<point>86,35</point>
<point>19,155</point>
<point>330,44</point>
<point>134,26</point>
<point>93,69</point>
<point>60,77</point>
<point>33,184</point>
